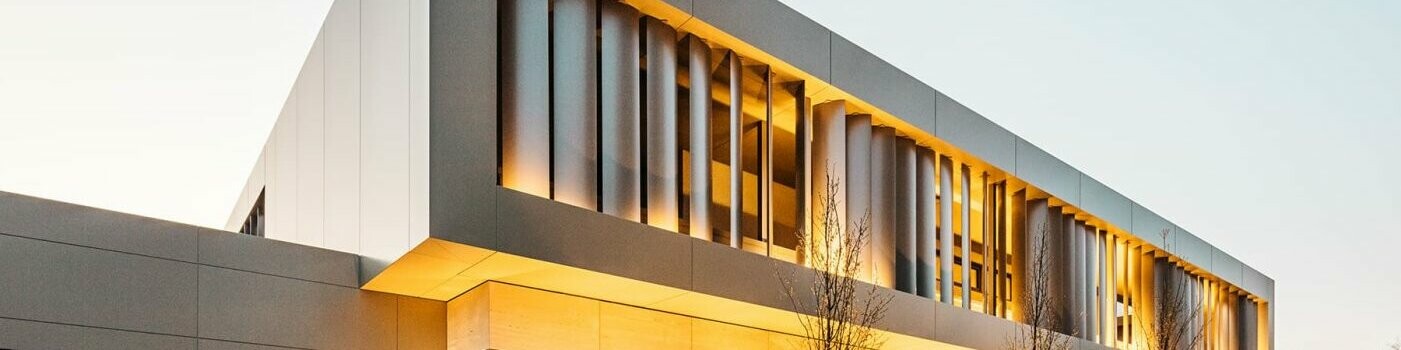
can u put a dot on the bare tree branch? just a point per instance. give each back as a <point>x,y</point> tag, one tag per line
<point>1039,302</point>
<point>842,317</point>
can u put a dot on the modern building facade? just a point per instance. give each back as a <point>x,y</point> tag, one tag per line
<point>583,174</point>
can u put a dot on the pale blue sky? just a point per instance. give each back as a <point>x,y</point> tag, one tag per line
<point>1272,129</point>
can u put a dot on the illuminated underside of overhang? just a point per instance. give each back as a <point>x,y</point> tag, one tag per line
<point>442,270</point>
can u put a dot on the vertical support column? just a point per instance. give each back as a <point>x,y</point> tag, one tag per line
<point>829,163</point>
<point>858,181</point>
<point>736,122</point>
<point>926,225</point>
<point>883,205</point>
<point>946,230</point>
<point>663,181</point>
<point>1092,278</point>
<point>525,96</point>
<point>1015,251</point>
<point>574,102</point>
<point>966,189</point>
<point>906,213</point>
<point>1133,299</point>
<point>1106,289</point>
<point>1115,259</point>
<point>1249,323</point>
<point>1077,272</point>
<point>620,90</point>
<point>698,69</point>
<point>999,239</point>
<point>1146,289</point>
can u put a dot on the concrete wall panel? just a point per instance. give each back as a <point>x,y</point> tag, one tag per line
<point>971,329</point>
<point>62,283</point>
<point>974,134</point>
<point>256,308</point>
<point>543,229</point>
<point>774,28</point>
<point>1048,173</point>
<point>32,217</point>
<point>248,253</point>
<point>1105,203</point>
<point>207,344</point>
<point>870,78</point>
<point>20,334</point>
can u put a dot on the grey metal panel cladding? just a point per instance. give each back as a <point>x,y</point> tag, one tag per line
<point>1226,267</point>
<point>249,307</point>
<point>33,217</point>
<point>20,334</point>
<point>662,176</point>
<point>206,344</point>
<point>774,28</point>
<point>542,229</point>
<point>462,118</point>
<point>574,98</point>
<point>905,227</point>
<point>525,92</point>
<point>1190,248</point>
<point>971,329</point>
<point>870,78</point>
<point>248,253</point>
<point>1047,173</point>
<point>1256,283</point>
<point>1150,227</point>
<point>621,89</point>
<point>979,136</point>
<point>63,283</point>
<point>698,120</point>
<point>1105,203</point>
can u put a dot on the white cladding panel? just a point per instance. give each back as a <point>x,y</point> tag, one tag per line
<point>311,146</point>
<point>342,33</point>
<point>346,167</point>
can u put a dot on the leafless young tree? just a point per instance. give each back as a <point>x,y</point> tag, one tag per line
<point>1177,322</point>
<point>843,316</point>
<point>1039,302</point>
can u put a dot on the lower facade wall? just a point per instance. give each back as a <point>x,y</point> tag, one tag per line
<point>70,278</point>
<point>496,315</point>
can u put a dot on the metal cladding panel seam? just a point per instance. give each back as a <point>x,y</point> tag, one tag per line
<point>965,129</point>
<point>1226,266</point>
<point>870,78</point>
<point>1052,175</point>
<point>774,28</point>
<point>1105,203</point>
<point>1191,248</point>
<point>1150,227</point>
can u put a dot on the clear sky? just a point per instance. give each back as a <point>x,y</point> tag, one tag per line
<point>1272,129</point>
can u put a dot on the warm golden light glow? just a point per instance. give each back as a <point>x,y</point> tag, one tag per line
<point>422,273</point>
